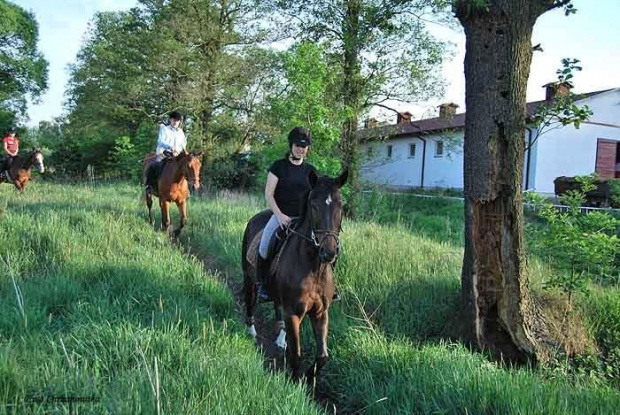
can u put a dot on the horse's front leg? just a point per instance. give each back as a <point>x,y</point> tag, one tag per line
<point>182,206</point>
<point>320,326</point>
<point>165,215</point>
<point>280,327</point>
<point>18,183</point>
<point>293,324</point>
<point>249,296</point>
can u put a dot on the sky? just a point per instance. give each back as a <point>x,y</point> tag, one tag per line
<point>592,35</point>
<point>62,25</point>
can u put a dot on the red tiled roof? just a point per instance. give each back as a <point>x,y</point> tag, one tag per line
<point>438,124</point>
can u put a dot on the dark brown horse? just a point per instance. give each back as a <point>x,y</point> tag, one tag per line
<point>302,280</point>
<point>173,186</point>
<point>20,170</point>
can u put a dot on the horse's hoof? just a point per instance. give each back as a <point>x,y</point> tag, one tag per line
<point>281,340</point>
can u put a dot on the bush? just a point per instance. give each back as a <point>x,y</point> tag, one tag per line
<point>236,171</point>
<point>124,158</point>
<point>614,192</point>
<point>581,246</point>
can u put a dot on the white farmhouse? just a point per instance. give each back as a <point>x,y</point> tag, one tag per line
<point>429,152</point>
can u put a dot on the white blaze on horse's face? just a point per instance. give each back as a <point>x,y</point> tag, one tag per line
<point>39,159</point>
<point>329,200</point>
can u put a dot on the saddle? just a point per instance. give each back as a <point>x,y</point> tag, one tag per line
<point>156,169</point>
<point>275,245</point>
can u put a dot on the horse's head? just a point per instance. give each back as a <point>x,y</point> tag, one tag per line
<point>190,163</point>
<point>325,210</point>
<point>36,160</point>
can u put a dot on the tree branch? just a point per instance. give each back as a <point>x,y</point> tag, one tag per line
<point>386,107</point>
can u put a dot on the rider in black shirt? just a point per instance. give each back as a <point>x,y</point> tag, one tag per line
<point>287,183</point>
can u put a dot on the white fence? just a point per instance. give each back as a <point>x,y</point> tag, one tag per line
<point>563,208</point>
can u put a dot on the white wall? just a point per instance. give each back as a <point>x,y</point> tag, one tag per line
<point>445,171</point>
<point>401,170</point>
<point>568,151</point>
<point>531,146</point>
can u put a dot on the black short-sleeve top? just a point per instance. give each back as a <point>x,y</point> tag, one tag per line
<point>293,184</point>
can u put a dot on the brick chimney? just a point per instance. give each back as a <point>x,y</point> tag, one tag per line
<point>447,110</point>
<point>554,89</point>
<point>371,123</point>
<point>403,117</point>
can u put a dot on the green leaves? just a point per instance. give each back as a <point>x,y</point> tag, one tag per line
<point>562,110</point>
<point>188,55</point>
<point>308,99</point>
<point>23,70</point>
<point>581,247</point>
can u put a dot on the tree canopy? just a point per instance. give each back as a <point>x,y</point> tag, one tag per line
<point>215,61</point>
<point>23,71</point>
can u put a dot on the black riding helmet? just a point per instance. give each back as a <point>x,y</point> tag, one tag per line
<point>300,136</point>
<point>176,115</point>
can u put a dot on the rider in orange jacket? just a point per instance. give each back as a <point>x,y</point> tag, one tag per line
<point>11,149</point>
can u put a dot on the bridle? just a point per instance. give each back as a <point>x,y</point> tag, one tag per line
<point>314,232</point>
<point>187,171</point>
<point>32,159</point>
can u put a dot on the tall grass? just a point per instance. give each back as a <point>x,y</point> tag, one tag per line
<point>95,303</point>
<point>400,285</point>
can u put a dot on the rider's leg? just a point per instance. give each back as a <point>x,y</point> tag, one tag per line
<point>151,177</point>
<point>262,261</point>
<point>5,163</point>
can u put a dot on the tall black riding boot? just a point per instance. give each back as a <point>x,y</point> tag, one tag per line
<point>262,277</point>
<point>151,178</point>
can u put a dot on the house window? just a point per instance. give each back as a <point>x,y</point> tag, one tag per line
<point>389,151</point>
<point>438,148</point>
<point>412,150</point>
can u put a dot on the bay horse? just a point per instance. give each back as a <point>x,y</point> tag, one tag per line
<point>20,170</point>
<point>178,174</point>
<point>302,279</point>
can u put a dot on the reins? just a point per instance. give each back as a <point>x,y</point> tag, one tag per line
<point>313,232</point>
<point>312,238</point>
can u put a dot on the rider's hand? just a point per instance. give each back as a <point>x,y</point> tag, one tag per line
<point>284,220</point>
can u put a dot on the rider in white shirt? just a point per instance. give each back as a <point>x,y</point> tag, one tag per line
<point>171,139</point>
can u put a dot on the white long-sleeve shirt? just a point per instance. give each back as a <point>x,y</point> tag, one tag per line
<point>170,138</point>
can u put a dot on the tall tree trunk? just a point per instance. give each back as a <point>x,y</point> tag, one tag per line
<point>500,314</point>
<point>351,98</point>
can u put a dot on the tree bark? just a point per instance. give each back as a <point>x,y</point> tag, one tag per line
<point>500,315</point>
<point>351,99</point>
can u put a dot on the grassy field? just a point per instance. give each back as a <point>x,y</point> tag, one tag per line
<point>94,303</point>
<point>103,306</point>
<point>400,277</point>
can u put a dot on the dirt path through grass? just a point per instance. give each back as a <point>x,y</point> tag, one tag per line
<point>274,359</point>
